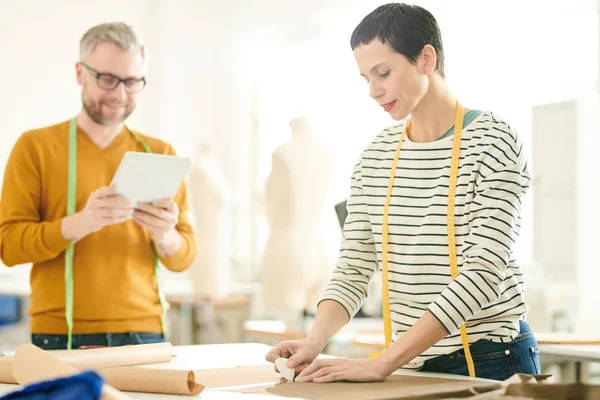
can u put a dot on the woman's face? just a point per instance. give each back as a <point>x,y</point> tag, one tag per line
<point>394,82</point>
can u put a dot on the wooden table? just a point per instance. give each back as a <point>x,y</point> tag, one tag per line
<point>272,332</point>
<point>573,359</point>
<point>197,313</point>
<point>566,338</point>
<point>224,356</point>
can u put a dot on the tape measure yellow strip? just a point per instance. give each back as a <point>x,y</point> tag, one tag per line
<point>71,209</point>
<point>455,161</point>
<point>458,127</point>
<point>69,254</point>
<point>387,323</point>
<point>157,271</point>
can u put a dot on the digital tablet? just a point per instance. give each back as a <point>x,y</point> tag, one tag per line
<point>145,177</point>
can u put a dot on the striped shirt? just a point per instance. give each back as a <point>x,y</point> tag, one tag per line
<point>493,177</point>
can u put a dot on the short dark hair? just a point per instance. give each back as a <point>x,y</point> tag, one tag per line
<point>404,27</point>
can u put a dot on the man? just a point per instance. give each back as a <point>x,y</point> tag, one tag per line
<point>435,203</point>
<point>116,297</point>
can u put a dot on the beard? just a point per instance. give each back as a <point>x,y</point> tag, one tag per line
<point>94,110</point>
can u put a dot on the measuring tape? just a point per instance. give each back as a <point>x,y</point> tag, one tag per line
<point>387,323</point>
<point>71,209</point>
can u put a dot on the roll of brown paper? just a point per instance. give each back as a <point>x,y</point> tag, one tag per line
<point>120,356</point>
<point>136,379</point>
<point>105,357</point>
<point>115,364</point>
<point>6,375</point>
<point>32,364</point>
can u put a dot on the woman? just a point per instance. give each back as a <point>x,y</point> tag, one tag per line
<point>441,234</point>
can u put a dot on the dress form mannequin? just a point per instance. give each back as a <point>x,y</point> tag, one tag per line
<point>296,268</point>
<point>211,201</point>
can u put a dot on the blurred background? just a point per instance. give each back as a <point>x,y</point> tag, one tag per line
<point>226,77</point>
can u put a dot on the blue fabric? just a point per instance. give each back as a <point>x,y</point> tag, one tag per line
<point>84,386</point>
<point>493,360</point>
<point>58,342</point>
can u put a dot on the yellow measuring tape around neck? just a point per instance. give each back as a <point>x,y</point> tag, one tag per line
<point>71,209</point>
<point>387,323</point>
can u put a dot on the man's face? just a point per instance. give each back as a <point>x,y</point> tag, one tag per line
<point>394,82</point>
<point>107,101</point>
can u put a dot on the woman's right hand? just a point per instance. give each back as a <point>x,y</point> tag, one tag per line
<point>300,353</point>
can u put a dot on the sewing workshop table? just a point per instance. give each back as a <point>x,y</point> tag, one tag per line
<point>574,359</point>
<point>228,355</point>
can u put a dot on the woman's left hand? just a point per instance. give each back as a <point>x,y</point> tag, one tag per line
<point>343,369</point>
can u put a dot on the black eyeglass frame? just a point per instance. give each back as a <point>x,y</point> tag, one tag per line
<point>99,75</point>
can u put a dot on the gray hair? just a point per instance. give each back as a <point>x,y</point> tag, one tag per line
<point>118,33</point>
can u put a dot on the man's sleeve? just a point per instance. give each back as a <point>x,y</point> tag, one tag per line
<point>24,238</point>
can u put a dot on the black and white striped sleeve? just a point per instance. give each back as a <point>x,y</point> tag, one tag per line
<point>350,280</point>
<point>494,227</point>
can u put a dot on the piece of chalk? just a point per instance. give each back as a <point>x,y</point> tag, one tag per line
<point>285,371</point>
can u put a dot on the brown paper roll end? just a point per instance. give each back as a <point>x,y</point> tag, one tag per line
<point>32,364</point>
<point>6,375</point>
<point>195,387</point>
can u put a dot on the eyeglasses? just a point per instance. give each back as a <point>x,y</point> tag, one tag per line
<point>109,81</point>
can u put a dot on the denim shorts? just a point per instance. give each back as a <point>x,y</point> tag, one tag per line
<point>498,361</point>
<point>58,342</point>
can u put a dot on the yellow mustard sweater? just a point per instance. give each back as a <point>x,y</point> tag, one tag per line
<point>115,285</point>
